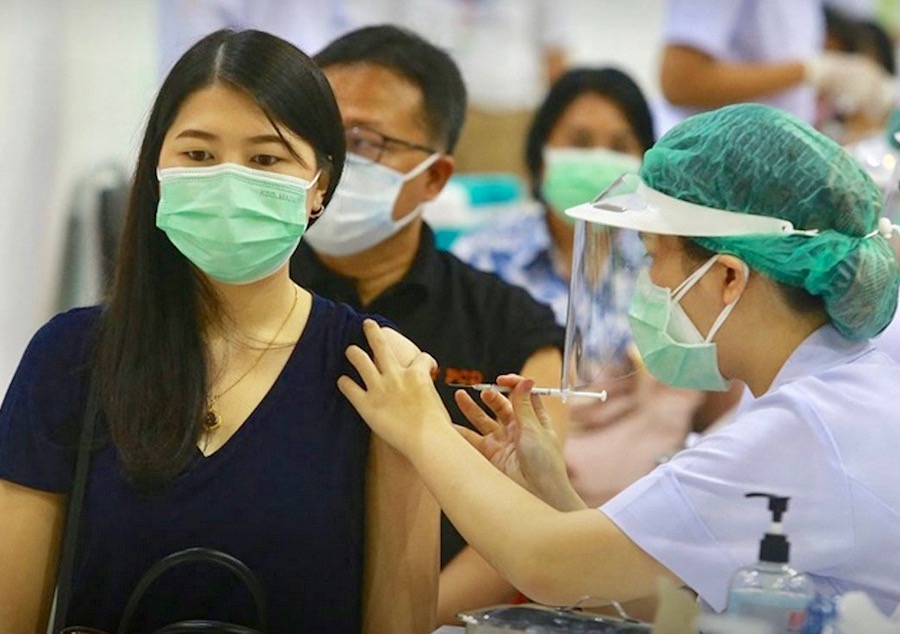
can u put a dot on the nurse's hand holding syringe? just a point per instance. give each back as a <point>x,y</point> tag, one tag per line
<point>520,439</point>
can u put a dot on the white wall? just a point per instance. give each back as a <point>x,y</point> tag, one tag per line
<point>75,80</point>
<point>29,130</point>
<point>78,77</point>
<point>621,33</point>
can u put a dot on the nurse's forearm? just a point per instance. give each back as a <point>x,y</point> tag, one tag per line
<point>552,556</point>
<point>468,582</point>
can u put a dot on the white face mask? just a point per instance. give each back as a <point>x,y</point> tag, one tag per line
<point>360,214</point>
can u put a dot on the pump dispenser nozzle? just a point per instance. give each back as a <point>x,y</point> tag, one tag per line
<point>778,505</point>
<point>774,546</point>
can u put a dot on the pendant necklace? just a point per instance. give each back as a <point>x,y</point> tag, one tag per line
<point>213,420</point>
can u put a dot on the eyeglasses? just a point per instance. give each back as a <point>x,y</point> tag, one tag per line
<point>371,145</point>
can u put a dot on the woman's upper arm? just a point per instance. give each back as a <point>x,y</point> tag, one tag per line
<point>31,524</point>
<point>402,551</point>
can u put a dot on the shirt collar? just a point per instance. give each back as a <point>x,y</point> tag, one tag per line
<point>824,348</point>
<point>422,277</point>
<point>425,272</point>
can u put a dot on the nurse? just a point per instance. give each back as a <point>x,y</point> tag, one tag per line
<point>769,263</point>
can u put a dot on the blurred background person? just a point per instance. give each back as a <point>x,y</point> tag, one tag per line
<point>846,34</point>
<point>593,125</point>
<point>717,53</point>
<point>884,12</point>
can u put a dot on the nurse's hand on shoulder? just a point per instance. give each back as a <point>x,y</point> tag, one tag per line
<point>399,399</point>
<point>520,441</point>
<point>404,350</point>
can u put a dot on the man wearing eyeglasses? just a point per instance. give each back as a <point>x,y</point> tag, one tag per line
<point>403,103</point>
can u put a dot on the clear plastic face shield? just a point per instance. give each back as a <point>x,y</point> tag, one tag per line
<point>598,350</point>
<point>609,256</point>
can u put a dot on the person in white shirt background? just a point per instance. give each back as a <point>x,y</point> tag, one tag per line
<point>717,53</point>
<point>307,25</point>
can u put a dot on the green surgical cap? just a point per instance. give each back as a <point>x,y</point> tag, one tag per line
<point>755,159</point>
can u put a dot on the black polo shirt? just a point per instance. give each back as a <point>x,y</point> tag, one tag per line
<point>474,324</point>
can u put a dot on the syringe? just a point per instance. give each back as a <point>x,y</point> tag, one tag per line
<point>540,391</point>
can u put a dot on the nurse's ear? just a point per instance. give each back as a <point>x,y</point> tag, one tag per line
<point>737,275</point>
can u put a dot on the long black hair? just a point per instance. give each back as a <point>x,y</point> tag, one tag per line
<point>611,83</point>
<point>151,367</point>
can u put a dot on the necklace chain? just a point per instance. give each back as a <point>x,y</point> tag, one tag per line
<point>213,420</point>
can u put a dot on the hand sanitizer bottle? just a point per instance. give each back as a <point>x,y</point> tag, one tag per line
<point>770,590</point>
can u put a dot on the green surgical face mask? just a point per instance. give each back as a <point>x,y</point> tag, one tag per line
<point>671,347</point>
<point>574,176</point>
<point>236,224</point>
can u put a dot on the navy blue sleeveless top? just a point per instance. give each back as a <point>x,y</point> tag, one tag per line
<point>285,494</point>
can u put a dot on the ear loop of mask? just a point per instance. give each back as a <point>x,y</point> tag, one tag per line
<point>315,213</point>
<point>689,282</point>
<point>421,167</point>
<point>418,169</point>
<point>314,180</point>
